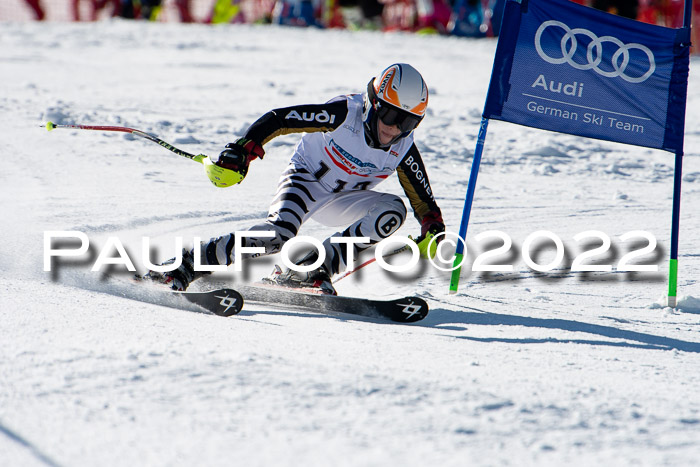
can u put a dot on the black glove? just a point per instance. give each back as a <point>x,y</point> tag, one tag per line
<point>237,156</point>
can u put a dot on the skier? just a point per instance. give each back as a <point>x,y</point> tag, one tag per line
<point>352,143</point>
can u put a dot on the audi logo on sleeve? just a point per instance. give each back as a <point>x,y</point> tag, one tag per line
<point>594,52</point>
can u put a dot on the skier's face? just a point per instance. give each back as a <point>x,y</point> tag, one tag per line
<point>387,132</point>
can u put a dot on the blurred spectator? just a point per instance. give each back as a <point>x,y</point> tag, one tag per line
<point>672,12</point>
<point>226,11</point>
<point>35,5</point>
<point>626,8</point>
<point>648,12</point>
<point>95,7</point>
<point>101,4</point>
<point>296,13</point>
<point>432,16</point>
<point>332,15</point>
<point>183,7</point>
<point>352,14</point>
<point>468,19</point>
<point>371,13</point>
<point>134,9</point>
<point>695,30</point>
<point>399,15</point>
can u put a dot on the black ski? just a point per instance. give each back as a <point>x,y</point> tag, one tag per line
<point>222,302</point>
<point>402,310</point>
<point>228,302</point>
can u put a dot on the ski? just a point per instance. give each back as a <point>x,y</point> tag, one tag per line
<point>225,301</point>
<point>222,302</point>
<point>401,310</point>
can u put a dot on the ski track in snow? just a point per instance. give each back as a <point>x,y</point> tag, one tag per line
<point>518,368</point>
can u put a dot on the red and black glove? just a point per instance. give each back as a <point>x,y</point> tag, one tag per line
<point>237,156</point>
<point>432,222</point>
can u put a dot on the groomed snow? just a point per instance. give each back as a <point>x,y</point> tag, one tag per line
<point>519,368</point>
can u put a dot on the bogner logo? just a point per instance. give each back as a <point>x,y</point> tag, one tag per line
<point>594,52</point>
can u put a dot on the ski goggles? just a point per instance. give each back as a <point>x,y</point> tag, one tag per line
<point>390,115</point>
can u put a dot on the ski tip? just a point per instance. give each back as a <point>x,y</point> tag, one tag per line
<point>50,126</point>
<point>222,302</point>
<point>231,302</point>
<point>409,310</point>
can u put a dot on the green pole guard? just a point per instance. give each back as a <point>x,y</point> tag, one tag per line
<point>672,282</point>
<point>454,280</point>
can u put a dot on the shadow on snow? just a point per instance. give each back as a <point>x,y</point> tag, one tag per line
<point>480,317</point>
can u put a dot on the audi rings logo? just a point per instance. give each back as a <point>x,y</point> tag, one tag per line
<point>594,53</point>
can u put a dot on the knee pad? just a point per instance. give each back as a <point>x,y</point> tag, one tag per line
<point>388,215</point>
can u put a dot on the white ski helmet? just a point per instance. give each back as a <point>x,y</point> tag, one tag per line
<point>398,96</point>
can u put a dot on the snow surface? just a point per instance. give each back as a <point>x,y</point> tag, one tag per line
<point>519,368</point>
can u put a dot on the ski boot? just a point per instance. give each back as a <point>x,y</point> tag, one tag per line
<point>180,278</point>
<point>316,281</point>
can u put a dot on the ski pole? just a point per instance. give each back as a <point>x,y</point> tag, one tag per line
<point>219,176</point>
<point>370,261</point>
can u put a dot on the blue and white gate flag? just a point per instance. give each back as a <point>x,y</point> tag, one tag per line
<point>564,67</point>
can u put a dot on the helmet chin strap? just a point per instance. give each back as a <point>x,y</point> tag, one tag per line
<point>370,118</point>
